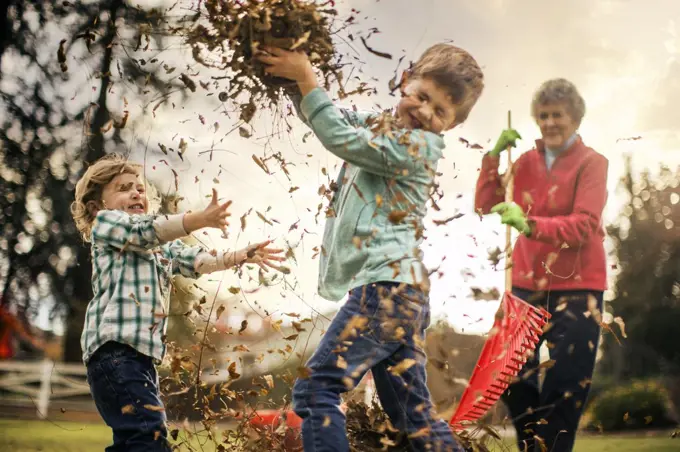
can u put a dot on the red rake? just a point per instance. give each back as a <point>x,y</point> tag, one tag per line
<point>512,339</point>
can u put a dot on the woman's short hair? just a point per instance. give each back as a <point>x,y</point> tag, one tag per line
<point>560,91</point>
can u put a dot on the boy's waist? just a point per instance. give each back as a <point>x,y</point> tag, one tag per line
<point>118,350</point>
<point>414,293</point>
<point>336,277</point>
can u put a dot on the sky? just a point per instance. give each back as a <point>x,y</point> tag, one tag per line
<point>621,54</point>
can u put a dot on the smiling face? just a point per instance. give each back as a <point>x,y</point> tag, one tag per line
<point>126,192</point>
<point>556,125</point>
<point>425,105</point>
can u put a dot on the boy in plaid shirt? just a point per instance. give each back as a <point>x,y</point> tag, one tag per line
<point>134,255</point>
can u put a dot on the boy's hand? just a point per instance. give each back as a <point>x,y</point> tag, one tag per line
<point>513,215</point>
<point>293,65</point>
<point>508,137</point>
<point>213,216</point>
<point>260,254</point>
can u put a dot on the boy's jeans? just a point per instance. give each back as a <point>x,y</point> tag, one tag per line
<point>381,328</point>
<point>124,385</point>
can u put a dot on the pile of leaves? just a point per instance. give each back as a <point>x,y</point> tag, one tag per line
<point>369,430</point>
<point>232,32</point>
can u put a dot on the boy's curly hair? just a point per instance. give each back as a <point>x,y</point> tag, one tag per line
<point>456,71</point>
<point>91,186</point>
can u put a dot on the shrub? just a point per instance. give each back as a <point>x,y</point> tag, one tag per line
<point>637,405</point>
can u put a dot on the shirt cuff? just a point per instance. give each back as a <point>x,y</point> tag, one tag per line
<point>490,162</point>
<point>207,263</point>
<point>169,227</point>
<point>313,102</point>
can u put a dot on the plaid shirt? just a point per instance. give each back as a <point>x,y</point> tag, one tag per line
<point>133,258</point>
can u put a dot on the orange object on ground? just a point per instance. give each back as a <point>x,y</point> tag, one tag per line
<point>7,325</point>
<point>272,418</point>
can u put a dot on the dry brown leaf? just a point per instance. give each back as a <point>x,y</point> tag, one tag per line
<point>232,371</point>
<point>420,433</point>
<point>397,216</point>
<point>547,364</point>
<point>150,407</point>
<point>341,363</point>
<point>402,366</point>
<point>619,321</point>
<point>220,310</point>
<point>269,380</point>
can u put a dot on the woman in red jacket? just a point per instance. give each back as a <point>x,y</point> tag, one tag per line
<point>558,260</point>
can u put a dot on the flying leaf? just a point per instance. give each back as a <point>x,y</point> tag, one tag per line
<point>219,311</point>
<point>402,366</point>
<point>244,325</point>
<point>232,371</point>
<point>619,321</point>
<point>188,82</point>
<point>150,407</point>
<point>397,216</point>
<point>373,51</point>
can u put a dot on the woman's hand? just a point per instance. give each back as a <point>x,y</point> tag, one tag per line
<point>513,215</point>
<point>293,65</point>
<point>508,137</point>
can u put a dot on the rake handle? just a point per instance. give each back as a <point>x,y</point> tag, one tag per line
<point>509,188</point>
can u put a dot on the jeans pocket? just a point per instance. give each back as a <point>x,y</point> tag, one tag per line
<point>102,390</point>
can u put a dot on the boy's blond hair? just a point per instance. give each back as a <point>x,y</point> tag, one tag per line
<point>91,186</point>
<point>455,70</point>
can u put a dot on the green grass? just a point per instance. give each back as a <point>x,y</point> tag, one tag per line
<point>33,436</point>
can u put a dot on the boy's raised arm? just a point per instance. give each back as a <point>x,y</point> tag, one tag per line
<point>396,154</point>
<point>391,153</point>
<point>144,232</point>
<point>194,261</point>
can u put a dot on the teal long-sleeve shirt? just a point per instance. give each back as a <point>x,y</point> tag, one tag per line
<point>374,225</point>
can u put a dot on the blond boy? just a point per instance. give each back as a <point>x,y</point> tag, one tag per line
<point>134,255</point>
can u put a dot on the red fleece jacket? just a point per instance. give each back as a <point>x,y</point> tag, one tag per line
<point>564,206</point>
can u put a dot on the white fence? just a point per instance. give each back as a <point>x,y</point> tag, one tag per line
<point>42,382</point>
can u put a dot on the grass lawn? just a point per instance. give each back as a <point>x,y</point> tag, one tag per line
<point>33,436</point>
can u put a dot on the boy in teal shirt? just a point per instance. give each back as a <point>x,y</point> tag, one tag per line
<point>371,244</point>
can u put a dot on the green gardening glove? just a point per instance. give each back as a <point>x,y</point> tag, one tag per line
<point>513,215</point>
<point>508,137</point>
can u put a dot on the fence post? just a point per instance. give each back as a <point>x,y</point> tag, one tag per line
<point>45,389</point>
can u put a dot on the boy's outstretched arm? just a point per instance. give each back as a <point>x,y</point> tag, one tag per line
<point>145,232</point>
<point>193,261</point>
<point>396,155</point>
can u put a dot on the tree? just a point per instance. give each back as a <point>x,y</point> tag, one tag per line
<point>47,143</point>
<point>647,289</point>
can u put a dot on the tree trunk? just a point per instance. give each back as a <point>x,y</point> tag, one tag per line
<point>82,272</point>
<point>5,28</point>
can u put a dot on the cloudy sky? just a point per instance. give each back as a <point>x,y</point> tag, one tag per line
<point>622,54</point>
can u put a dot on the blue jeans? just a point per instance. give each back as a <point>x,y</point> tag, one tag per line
<point>124,385</point>
<point>381,328</point>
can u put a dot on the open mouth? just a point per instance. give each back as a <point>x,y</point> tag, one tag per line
<point>136,207</point>
<point>415,123</point>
